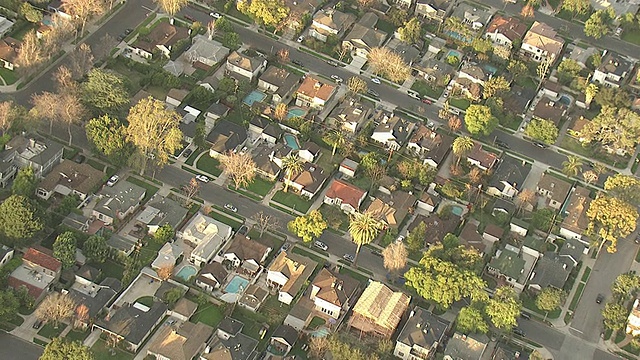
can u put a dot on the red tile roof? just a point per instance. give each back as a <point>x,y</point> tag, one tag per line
<point>33,290</point>
<point>349,194</point>
<point>510,27</point>
<point>39,257</point>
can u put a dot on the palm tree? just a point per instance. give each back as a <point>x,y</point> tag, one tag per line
<point>337,139</point>
<point>599,168</point>
<point>363,228</point>
<point>572,166</point>
<point>461,146</point>
<point>292,165</point>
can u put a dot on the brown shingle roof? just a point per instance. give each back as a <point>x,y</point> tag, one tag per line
<point>183,343</point>
<point>558,188</point>
<point>334,287</point>
<point>576,210</point>
<point>163,34</point>
<point>550,110</point>
<point>542,36</point>
<point>247,249</point>
<point>80,177</point>
<point>9,48</point>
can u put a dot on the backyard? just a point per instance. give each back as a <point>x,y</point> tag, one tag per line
<point>209,165</point>
<point>209,314</point>
<point>101,351</point>
<point>293,201</point>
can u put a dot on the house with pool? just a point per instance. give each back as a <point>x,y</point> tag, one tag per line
<point>244,67</point>
<point>278,81</point>
<point>206,235</point>
<point>246,255</point>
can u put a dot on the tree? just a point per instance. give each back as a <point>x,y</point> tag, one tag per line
<point>363,228</point>
<point>83,10</point>
<point>81,61</point>
<point>615,316</point>
<point>394,257</point>
<point>45,106</point>
<point>616,98</point>
<point>18,218</point>
<point>416,238</point>
<point>616,128</point>
<point>516,68</point>
<point>568,70</point>
<point>411,31</point>
<point>597,25</point>
<point>543,69</point>
<point>70,111</point>
<point>105,91</point>
<point>549,299</point>
<point>495,85</point>
<point>231,40</point>
<point>10,303</point>
<point>60,348</point>
<point>470,320</point>
<point>502,52</point>
<point>31,53</point>
<point>479,120</point>
<point>107,43</point>
<point>165,272</point>
<point>542,130</point>
<point>356,85</point>
<point>265,222</point>
<point>8,115</point>
<point>462,145</point>
<point>527,11</point>
<point>397,16</point>
<point>81,315</point>
<point>590,176</point>
<point>64,249</point>
<point>576,7</point>
<point>318,346</point>
<point>336,138</point>
<point>95,248</point>
<point>269,13</point>
<point>190,190</point>
<point>571,167</point>
<point>525,197</point>
<point>164,234</point>
<point>56,307</point>
<point>154,131</point>
<point>624,187</point>
<point>30,13</point>
<point>612,218</point>
<point>280,112</point>
<point>384,61</point>
<point>504,308</point>
<point>172,7</point>
<point>308,227</point>
<point>455,25</point>
<point>454,123</point>
<point>590,92</point>
<point>625,284</point>
<point>25,182</point>
<point>292,165</point>
<point>109,136</point>
<point>240,168</point>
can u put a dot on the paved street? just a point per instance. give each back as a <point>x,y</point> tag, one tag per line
<point>12,347</point>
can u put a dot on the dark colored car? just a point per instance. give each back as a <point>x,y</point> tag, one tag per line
<point>37,324</point>
<point>599,299</point>
<point>502,144</point>
<point>297,62</point>
<point>190,18</point>
<point>121,37</point>
<point>518,332</point>
<point>187,153</point>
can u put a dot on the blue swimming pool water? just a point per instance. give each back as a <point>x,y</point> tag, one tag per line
<point>456,210</point>
<point>291,141</point>
<point>455,53</point>
<point>254,96</point>
<point>565,100</point>
<point>296,112</point>
<point>187,272</point>
<point>236,284</point>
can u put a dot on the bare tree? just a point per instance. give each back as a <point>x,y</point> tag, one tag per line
<point>527,11</point>
<point>525,197</point>
<point>81,316</point>
<point>318,346</point>
<point>30,54</point>
<point>240,168</point>
<point>165,272</point>
<point>190,190</point>
<point>375,174</point>
<point>83,10</point>
<point>81,61</point>
<point>342,52</point>
<point>265,222</point>
<point>590,176</point>
<point>7,116</point>
<point>56,308</point>
<point>107,42</point>
<point>280,112</point>
<point>283,55</point>
<point>171,7</point>
<point>61,30</point>
<point>394,257</point>
<point>454,123</point>
<point>356,85</point>
<point>384,61</point>
<point>64,81</point>
<point>45,106</point>
<point>543,69</point>
<point>71,111</point>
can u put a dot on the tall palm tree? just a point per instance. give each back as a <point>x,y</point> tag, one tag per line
<point>363,228</point>
<point>461,146</point>
<point>292,165</point>
<point>337,139</point>
<point>572,166</point>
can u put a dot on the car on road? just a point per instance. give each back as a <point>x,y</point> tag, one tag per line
<point>300,38</point>
<point>128,31</point>
<point>332,63</point>
<point>230,207</point>
<point>187,153</point>
<point>215,15</point>
<point>121,37</point>
<point>348,257</point>
<point>400,238</point>
<point>413,94</point>
<point>336,78</point>
<point>202,178</point>
<point>540,145</point>
<point>320,245</point>
<point>376,253</point>
<point>525,316</point>
<point>190,18</point>
<point>445,94</point>
<point>372,93</point>
<point>599,299</point>
<point>426,101</point>
<point>297,62</point>
<point>113,180</point>
<point>619,31</point>
<point>518,332</point>
<point>285,247</point>
<point>375,80</point>
<point>502,144</point>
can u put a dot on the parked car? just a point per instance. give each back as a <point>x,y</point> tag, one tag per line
<point>297,62</point>
<point>413,94</point>
<point>376,253</point>
<point>128,31</point>
<point>502,144</point>
<point>426,101</point>
<point>121,37</point>
<point>215,15</point>
<point>400,238</point>
<point>320,245</point>
<point>202,178</point>
<point>445,94</point>
<point>336,78</point>
<point>375,80</point>
<point>285,247</point>
<point>187,153</point>
<point>348,257</point>
<point>300,38</point>
<point>599,299</point>
<point>37,324</point>
<point>540,145</point>
<point>332,63</point>
<point>230,207</point>
<point>243,230</point>
<point>372,93</point>
<point>190,18</point>
<point>518,332</point>
<point>113,180</point>
<point>525,316</point>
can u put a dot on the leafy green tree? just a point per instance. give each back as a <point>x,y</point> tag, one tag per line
<point>542,130</point>
<point>461,147</point>
<point>572,166</point>
<point>576,7</point>
<point>398,16</point>
<point>615,316</point>
<point>543,219</point>
<point>504,308</point>
<point>470,320</point>
<point>549,299</point>
<point>25,183</point>
<point>617,128</point>
<point>411,31</point>
<point>105,91</point>
<point>363,228</point>
<point>265,12</point>
<point>416,238</point>
<point>624,187</point>
<point>568,70</point>
<point>172,296</point>
<point>18,218</point>
<point>416,172</point>
<point>10,304</point>
<point>597,25</point>
<point>625,284</point>
<point>64,249</point>
<point>481,45</point>
<point>612,218</point>
<point>309,226</point>
<point>164,234</point>
<point>30,13</point>
<point>450,250</point>
<point>108,136</point>
<point>292,166</point>
<point>495,86</point>
<point>60,348</point>
<point>369,161</point>
<point>479,120</point>
<point>517,68</point>
<point>231,40</point>
<point>616,98</point>
<point>95,248</point>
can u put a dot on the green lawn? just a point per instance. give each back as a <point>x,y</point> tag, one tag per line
<point>110,268</point>
<point>361,278</point>
<point>292,200</point>
<point>260,186</point>
<point>576,297</point>
<point>209,165</point>
<point>585,275</point>
<point>77,335</point>
<point>9,76</point>
<point>50,332</point>
<point>157,92</point>
<point>101,351</point>
<point>149,251</point>
<point>632,36</point>
<point>146,300</point>
<point>151,190</point>
<point>425,89</point>
<point>593,152</point>
<point>209,314</point>
<point>193,156</point>
<point>530,303</point>
<point>460,103</point>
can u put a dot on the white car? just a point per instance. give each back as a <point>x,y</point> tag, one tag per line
<point>215,15</point>
<point>300,38</point>
<point>348,257</point>
<point>113,180</point>
<point>375,80</point>
<point>230,207</point>
<point>336,78</point>
<point>320,245</point>
<point>414,94</point>
<point>400,239</point>
<point>202,178</point>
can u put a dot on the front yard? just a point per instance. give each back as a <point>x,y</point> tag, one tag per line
<point>101,351</point>
<point>632,36</point>
<point>460,103</point>
<point>593,152</point>
<point>425,89</point>
<point>292,201</point>
<point>209,165</point>
<point>8,76</point>
<point>50,331</point>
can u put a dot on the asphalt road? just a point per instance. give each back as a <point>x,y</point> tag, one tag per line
<point>12,347</point>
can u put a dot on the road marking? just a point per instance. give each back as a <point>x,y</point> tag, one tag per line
<point>572,328</point>
<point>146,8</point>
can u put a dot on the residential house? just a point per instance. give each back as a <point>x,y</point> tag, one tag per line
<point>262,128</point>
<point>509,266</point>
<point>519,226</point>
<point>300,10</point>
<point>301,314</point>
<point>437,227</point>
<point>185,342</point>
<point>70,178</point>
<point>435,10</point>
<point>161,211</point>
<point>613,70</point>
<point>40,155</point>
<point>330,22</point>
<point>344,195</point>
<point>475,18</point>
<point>38,272</point>
<point>95,297</point>
<point>132,324</point>
<point>404,3</point>
<point>86,275</point>
<point>162,38</point>
<point>554,189</point>
<point>245,67</point>
<point>247,253</point>
<point>206,235</point>
<point>257,124</point>
<point>288,273</point>
<point>509,177</point>
<point>225,137</point>
<point>549,110</point>
<point>504,31</point>
<point>168,256</point>
<point>363,36</point>
<point>266,168</point>
<point>471,238</point>
<point>436,45</point>
<point>184,309</point>
<point>350,115</point>
<point>278,81</point>
<point>279,152</point>
<point>215,112</point>
<point>211,277</point>
<point>309,181</point>
<point>5,25</point>
<point>309,151</point>
<point>492,233</point>
<point>633,320</point>
<point>409,53</point>
<point>378,311</point>
<point>123,245</point>
<point>118,202</point>
<point>9,48</point>
<point>574,210</point>
<point>579,122</point>
<point>428,201</point>
<point>175,97</point>
<point>188,124</point>
<point>581,55</point>
<point>333,293</point>
<point>8,167</point>
<point>392,130</point>
<point>551,270</point>
<point>431,146</point>
<point>503,206</point>
<point>283,339</point>
<point>348,167</point>
<point>434,71</point>
<point>421,336</point>
<point>517,100</point>
<point>230,343</point>
<point>314,93</point>
<point>253,297</point>
<point>473,73</point>
<point>392,209</point>
<point>481,158</point>
<point>541,43</point>
<point>572,250</point>
<point>466,347</point>
<point>6,254</point>
<point>205,51</point>
<point>58,7</point>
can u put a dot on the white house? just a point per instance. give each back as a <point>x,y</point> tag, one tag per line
<point>206,51</point>
<point>344,195</point>
<point>613,70</point>
<point>333,293</point>
<point>348,167</point>
<point>330,22</point>
<point>118,202</point>
<point>541,43</point>
<point>288,274</point>
<point>206,235</point>
<point>393,131</point>
<point>247,67</point>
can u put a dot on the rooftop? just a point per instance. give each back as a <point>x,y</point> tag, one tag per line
<point>575,210</point>
<point>334,287</point>
<point>558,188</point>
<point>382,306</point>
<point>469,347</point>
<point>512,28</point>
<point>543,37</point>
<point>347,193</point>
<point>133,322</point>
<point>508,263</point>
<point>313,88</point>
<point>182,343</point>
<point>423,329</point>
<point>296,268</point>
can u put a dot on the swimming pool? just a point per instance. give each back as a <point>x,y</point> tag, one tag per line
<point>296,112</point>
<point>236,285</point>
<point>490,69</point>
<point>456,210</point>
<point>564,99</point>
<point>455,53</point>
<point>254,96</point>
<point>187,272</point>
<point>291,141</point>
